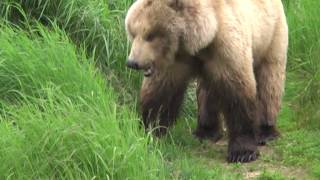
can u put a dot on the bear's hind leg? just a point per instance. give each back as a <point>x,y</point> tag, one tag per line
<point>270,79</point>
<point>270,76</point>
<point>209,123</point>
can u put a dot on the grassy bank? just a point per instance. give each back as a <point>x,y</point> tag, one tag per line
<point>59,117</point>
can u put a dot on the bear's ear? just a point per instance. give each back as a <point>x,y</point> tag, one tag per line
<point>177,5</point>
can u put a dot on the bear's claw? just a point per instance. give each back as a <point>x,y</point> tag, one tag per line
<point>242,157</point>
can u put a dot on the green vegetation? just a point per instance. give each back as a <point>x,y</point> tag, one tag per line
<point>304,66</point>
<point>68,104</point>
<point>270,176</point>
<point>59,117</point>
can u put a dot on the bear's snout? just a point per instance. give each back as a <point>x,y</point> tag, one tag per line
<point>133,64</point>
<point>148,70</point>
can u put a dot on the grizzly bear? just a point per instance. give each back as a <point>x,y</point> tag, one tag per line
<point>235,49</point>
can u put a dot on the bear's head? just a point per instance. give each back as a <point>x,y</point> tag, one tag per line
<point>160,29</point>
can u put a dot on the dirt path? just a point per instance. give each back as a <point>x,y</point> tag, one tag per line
<point>269,161</point>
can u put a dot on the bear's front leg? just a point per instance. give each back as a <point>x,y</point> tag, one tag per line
<point>242,125</point>
<point>233,81</point>
<point>160,104</point>
<point>241,114</point>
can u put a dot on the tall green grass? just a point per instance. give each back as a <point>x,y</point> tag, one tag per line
<point>61,120</point>
<point>303,60</point>
<point>97,25</point>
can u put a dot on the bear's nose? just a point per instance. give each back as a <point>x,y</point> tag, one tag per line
<point>133,64</point>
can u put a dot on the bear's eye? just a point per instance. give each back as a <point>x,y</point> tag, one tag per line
<point>151,36</point>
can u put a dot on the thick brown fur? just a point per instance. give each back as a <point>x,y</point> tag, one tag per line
<point>161,99</point>
<point>235,49</point>
<point>209,114</point>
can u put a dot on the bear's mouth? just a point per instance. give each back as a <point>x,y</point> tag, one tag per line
<point>148,71</point>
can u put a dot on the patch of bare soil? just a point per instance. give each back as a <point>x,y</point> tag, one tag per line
<point>269,161</point>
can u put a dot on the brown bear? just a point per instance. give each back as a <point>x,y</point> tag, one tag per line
<point>235,49</point>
